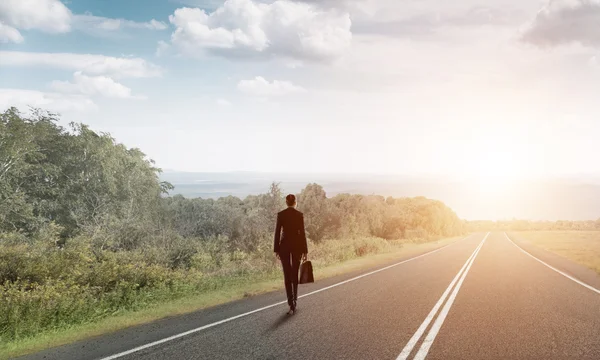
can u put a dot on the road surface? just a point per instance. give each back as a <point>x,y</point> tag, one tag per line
<point>482,297</point>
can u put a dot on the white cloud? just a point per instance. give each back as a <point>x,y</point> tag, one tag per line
<point>211,4</point>
<point>23,99</point>
<point>566,21</point>
<point>259,86</point>
<point>154,25</point>
<point>93,85</point>
<point>223,102</point>
<point>53,16</point>
<point>47,15</point>
<point>86,63</point>
<point>245,28</point>
<point>433,20</point>
<point>91,22</point>
<point>9,34</point>
<point>162,48</point>
<point>294,64</point>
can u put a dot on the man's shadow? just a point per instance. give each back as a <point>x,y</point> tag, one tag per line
<point>284,318</point>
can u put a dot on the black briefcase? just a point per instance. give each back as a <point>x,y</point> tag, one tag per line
<point>306,273</point>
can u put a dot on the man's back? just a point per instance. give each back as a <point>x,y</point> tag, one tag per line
<point>289,232</point>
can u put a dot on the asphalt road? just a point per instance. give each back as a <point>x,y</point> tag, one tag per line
<point>479,298</point>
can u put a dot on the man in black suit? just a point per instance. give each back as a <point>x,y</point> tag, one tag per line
<point>290,247</point>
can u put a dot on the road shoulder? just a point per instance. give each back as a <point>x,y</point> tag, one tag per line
<point>561,263</point>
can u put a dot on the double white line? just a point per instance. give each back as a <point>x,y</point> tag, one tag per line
<point>435,328</point>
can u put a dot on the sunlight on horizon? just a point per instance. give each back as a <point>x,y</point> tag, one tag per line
<point>496,172</point>
<point>496,161</point>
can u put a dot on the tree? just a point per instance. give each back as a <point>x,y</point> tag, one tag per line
<point>77,179</point>
<point>313,202</point>
<point>26,178</point>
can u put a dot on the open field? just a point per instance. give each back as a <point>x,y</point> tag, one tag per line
<point>582,247</point>
<point>330,259</point>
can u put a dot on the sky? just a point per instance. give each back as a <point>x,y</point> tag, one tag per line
<point>488,90</point>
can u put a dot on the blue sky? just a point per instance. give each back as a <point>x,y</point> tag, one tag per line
<point>492,90</point>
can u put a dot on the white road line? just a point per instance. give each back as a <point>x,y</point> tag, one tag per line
<point>189,332</point>
<point>417,335</point>
<point>435,328</point>
<point>555,269</point>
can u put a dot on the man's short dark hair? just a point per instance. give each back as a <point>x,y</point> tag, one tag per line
<point>290,200</point>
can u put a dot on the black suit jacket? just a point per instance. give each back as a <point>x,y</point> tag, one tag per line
<point>292,238</point>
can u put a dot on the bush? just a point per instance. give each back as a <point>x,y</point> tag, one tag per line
<point>366,246</point>
<point>45,286</point>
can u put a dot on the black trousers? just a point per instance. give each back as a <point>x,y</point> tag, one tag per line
<point>291,264</point>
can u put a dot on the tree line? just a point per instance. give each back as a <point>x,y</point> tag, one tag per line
<point>83,182</point>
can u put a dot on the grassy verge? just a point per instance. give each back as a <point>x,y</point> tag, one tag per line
<point>582,247</point>
<point>229,289</point>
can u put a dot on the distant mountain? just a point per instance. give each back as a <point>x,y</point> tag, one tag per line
<point>574,198</point>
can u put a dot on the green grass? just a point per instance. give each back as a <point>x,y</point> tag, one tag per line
<point>331,259</point>
<point>582,247</point>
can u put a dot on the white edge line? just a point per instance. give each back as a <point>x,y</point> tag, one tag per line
<point>437,325</point>
<point>555,269</point>
<point>417,335</point>
<point>158,342</point>
<point>177,336</point>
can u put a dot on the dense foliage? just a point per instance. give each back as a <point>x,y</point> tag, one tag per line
<point>87,231</point>
<point>75,178</point>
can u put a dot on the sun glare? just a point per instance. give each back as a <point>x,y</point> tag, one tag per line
<point>496,171</point>
<point>495,159</point>
<point>492,171</point>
